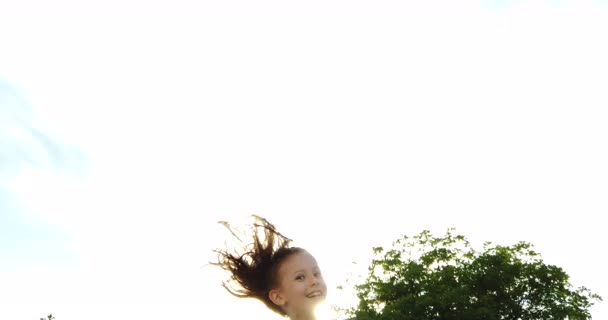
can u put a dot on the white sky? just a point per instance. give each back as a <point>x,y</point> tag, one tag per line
<point>346,124</point>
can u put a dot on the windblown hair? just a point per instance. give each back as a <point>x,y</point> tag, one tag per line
<point>255,272</point>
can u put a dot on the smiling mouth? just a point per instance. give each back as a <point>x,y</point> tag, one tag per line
<point>314,294</point>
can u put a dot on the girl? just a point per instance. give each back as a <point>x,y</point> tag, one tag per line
<point>286,279</point>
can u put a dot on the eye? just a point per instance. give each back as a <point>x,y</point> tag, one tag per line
<point>300,277</point>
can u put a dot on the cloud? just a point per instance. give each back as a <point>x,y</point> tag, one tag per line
<point>23,143</point>
<point>25,239</point>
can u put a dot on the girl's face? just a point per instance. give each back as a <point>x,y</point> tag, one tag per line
<point>301,285</point>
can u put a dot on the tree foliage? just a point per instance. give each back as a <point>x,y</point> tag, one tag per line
<point>443,278</point>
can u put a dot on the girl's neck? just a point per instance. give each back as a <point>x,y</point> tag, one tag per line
<point>309,316</point>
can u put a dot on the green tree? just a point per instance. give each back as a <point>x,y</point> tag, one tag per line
<point>443,278</point>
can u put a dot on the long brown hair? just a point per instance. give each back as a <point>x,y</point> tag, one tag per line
<point>254,272</point>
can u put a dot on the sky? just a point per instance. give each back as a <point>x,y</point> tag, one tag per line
<point>128,129</point>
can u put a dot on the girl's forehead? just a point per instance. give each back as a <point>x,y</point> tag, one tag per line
<point>299,260</point>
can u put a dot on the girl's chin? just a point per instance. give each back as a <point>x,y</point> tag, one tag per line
<point>317,300</point>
